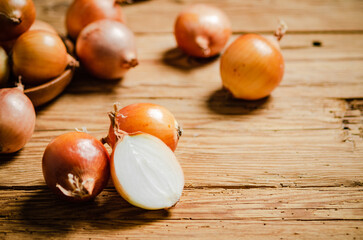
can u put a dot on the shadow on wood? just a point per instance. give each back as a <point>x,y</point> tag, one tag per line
<point>44,212</point>
<point>178,59</point>
<point>223,102</point>
<point>8,157</point>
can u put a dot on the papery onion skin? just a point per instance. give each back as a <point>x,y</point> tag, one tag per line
<point>39,56</point>
<point>4,67</point>
<point>148,118</point>
<point>202,30</point>
<point>41,25</point>
<point>15,18</point>
<point>106,48</point>
<point>251,67</point>
<point>17,119</point>
<point>83,12</point>
<point>82,156</point>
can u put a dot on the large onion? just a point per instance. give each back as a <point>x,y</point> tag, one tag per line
<point>76,166</point>
<point>17,119</point>
<point>202,30</point>
<point>106,48</point>
<point>16,16</point>
<point>39,56</point>
<point>83,12</point>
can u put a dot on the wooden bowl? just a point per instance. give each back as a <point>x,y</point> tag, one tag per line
<point>42,94</point>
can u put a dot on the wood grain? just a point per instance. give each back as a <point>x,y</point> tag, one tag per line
<point>285,167</point>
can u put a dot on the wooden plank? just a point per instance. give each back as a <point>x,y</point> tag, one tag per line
<point>181,229</point>
<point>263,204</point>
<point>158,16</point>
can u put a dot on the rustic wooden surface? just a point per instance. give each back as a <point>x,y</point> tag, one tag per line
<point>286,167</point>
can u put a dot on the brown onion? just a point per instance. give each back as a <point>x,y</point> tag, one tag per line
<point>15,18</point>
<point>76,166</point>
<point>39,56</point>
<point>252,66</point>
<point>4,67</point>
<point>83,12</point>
<point>106,48</point>
<point>17,119</point>
<point>202,30</point>
<point>147,118</point>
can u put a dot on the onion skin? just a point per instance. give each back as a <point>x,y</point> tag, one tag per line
<point>17,119</point>
<point>202,30</point>
<point>44,26</point>
<point>15,18</point>
<point>251,67</point>
<point>4,67</point>
<point>83,12</point>
<point>81,155</point>
<point>147,118</point>
<point>39,56</point>
<point>106,48</point>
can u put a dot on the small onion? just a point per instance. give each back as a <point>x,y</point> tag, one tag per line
<point>147,118</point>
<point>15,18</point>
<point>106,48</point>
<point>202,30</point>
<point>39,56</point>
<point>41,25</point>
<point>76,166</point>
<point>17,119</point>
<point>4,67</point>
<point>145,172</point>
<point>83,12</point>
<point>252,66</point>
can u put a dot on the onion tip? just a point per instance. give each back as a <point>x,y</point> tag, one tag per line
<point>203,43</point>
<point>130,64</point>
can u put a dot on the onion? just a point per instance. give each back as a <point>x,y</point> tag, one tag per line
<point>106,48</point>
<point>145,172</point>
<point>252,66</point>
<point>148,118</point>
<point>16,16</point>
<point>17,119</point>
<point>4,67</point>
<point>44,26</point>
<point>39,56</point>
<point>76,166</point>
<point>83,12</point>
<point>202,30</point>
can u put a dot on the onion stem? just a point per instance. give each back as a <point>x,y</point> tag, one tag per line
<point>281,30</point>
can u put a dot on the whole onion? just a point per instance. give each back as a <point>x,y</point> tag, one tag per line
<point>16,16</point>
<point>83,12</point>
<point>17,119</point>
<point>202,30</point>
<point>39,56</point>
<point>106,48</point>
<point>44,26</point>
<point>76,166</point>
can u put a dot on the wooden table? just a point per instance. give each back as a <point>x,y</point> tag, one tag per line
<point>286,167</point>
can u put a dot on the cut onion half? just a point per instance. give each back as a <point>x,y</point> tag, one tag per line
<point>145,172</point>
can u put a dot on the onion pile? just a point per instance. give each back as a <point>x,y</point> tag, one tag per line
<point>147,118</point>
<point>76,166</point>
<point>39,56</point>
<point>253,66</point>
<point>44,26</point>
<point>202,30</point>
<point>83,12</point>
<point>15,18</point>
<point>17,119</point>
<point>106,48</point>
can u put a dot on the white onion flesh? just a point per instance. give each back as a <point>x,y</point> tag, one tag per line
<point>146,172</point>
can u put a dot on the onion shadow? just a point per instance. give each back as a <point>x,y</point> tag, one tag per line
<point>43,212</point>
<point>176,58</point>
<point>222,102</point>
<point>7,158</point>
